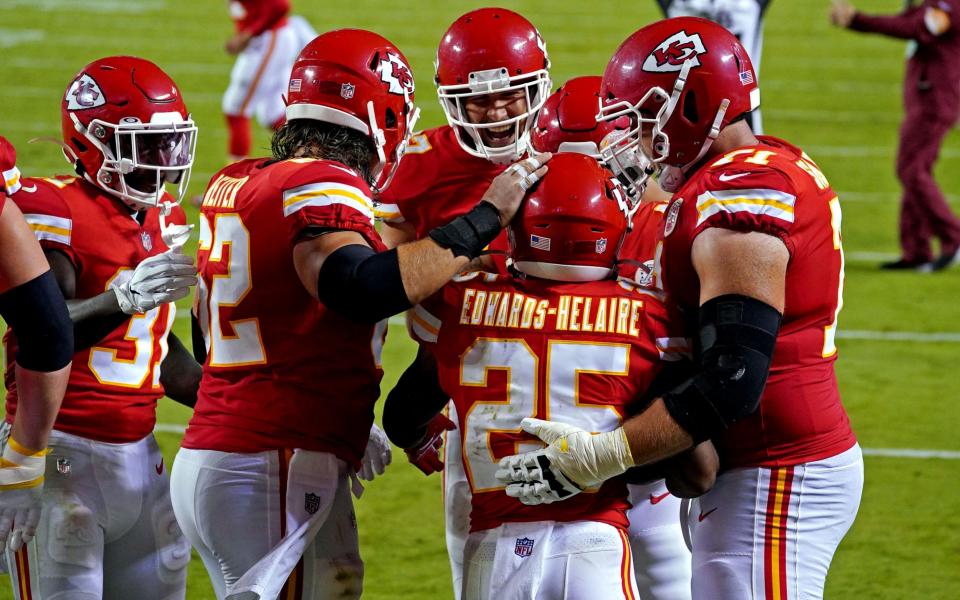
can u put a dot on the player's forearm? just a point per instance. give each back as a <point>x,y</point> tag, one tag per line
<point>180,374</point>
<point>425,267</point>
<point>654,435</point>
<point>94,318</point>
<point>40,396</point>
<point>907,25</point>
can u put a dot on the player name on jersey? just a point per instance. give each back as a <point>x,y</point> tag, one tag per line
<point>588,314</point>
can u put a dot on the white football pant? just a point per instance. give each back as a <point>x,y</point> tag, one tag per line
<point>234,508</point>
<point>457,499</point>
<point>107,529</point>
<point>771,533</point>
<point>661,558</point>
<point>547,560</point>
<point>261,72</point>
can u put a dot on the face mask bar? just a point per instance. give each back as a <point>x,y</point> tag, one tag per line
<point>165,150</point>
<point>381,175</point>
<point>536,87</point>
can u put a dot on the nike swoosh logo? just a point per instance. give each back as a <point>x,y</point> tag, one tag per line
<point>29,190</point>
<point>704,515</point>
<point>159,469</point>
<point>657,499</point>
<point>724,177</point>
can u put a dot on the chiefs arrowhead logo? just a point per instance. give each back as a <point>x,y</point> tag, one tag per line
<point>674,51</point>
<point>396,74</point>
<point>84,93</point>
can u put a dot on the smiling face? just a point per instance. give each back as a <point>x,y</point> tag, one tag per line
<point>493,108</point>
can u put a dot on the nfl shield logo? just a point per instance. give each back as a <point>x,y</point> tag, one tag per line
<point>524,547</point>
<point>146,240</point>
<point>311,502</point>
<point>601,245</point>
<point>346,90</point>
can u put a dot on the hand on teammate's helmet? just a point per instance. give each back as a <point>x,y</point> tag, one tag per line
<point>426,454</point>
<point>507,189</point>
<point>156,280</point>
<point>21,492</point>
<point>573,460</point>
<point>377,455</point>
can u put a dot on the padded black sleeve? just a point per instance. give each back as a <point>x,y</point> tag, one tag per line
<point>361,284</point>
<point>38,315</point>
<point>469,234</point>
<point>737,338</point>
<point>415,400</point>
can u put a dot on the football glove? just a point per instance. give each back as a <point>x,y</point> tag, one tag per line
<point>156,280</point>
<point>573,460</point>
<point>426,454</point>
<point>21,491</point>
<point>377,455</point>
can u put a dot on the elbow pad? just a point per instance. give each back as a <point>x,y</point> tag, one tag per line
<point>38,315</point>
<point>362,285</point>
<point>737,339</point>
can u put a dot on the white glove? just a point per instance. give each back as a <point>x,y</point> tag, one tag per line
<point>377,455</point>
<point>21,492</point>
<point>573,460</point>
<point>156,280</point>
<point>174,236</point>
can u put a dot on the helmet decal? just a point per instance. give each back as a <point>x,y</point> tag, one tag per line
<point>84,93</point>
<point>396,74</point>
<point>672,52</point>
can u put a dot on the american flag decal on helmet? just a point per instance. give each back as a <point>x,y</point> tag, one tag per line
<point>746,77</point>
<point>539,242</point>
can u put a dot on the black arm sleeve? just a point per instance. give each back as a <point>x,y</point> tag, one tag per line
<point>38,315</point>
<point>737,338</point>
<point>415,400</point>
<point>361,284</point>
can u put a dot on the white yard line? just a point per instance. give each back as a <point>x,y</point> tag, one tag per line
<point>15,37</point>
<point>888,452</point>
<point>950,337</point>
<point>94,6</point>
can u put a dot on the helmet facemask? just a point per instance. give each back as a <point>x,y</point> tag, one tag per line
<point>453,98</point>
<point>386,168</point>
<point>140,158</point>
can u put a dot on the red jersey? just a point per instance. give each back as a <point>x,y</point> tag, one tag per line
<point>636,254</point>
<point>578,353</point>
<point>282,370</point>
<point>256,16</point>
<point>776,189</point>
<point>114,386</point>
<point>436,182</point>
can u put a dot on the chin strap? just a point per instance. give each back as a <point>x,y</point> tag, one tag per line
<point>672,178</point>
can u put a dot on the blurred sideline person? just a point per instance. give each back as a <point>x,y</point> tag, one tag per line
<point>561,336</point>
<point>567,123</point>
<point>112,236</point>
<point>30,301</point>
<point>492,76</point>
<point>743,18</point>
<point>296,286</point>
<point>751,251</point>
<point>931,100</point>
<point>266,42</point>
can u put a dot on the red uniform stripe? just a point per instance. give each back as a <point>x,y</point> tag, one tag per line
<point>293,588</point>
<point>23,573</point>
<point>260,70</point>
<point>626,570</point>
<point>785,519</point>
<point>775,533</point>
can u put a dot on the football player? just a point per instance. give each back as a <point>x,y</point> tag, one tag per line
<point>266,42</point>
<point>567,123</point>
<point>30,301</point>
<point>751,249</point>
<point>112,236</point>
<point>492,75</point>
<point>744,18</point>
<point>296,286</point>
<point>560,337</point>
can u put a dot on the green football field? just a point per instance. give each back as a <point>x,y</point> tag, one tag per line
<point>835,93</point>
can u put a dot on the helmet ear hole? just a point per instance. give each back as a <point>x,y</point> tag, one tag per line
<point>690,112</point>
<point>390,120</point>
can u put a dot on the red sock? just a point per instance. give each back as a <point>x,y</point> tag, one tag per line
<point>240,139</point>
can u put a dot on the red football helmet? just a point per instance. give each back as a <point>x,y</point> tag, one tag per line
<point>126,130</point>
<point>492,51</point>
<point>680,81</point>
<point>571,224</point>
<point>567,122</point>
<point>357,79</point>
<point>8,167</point>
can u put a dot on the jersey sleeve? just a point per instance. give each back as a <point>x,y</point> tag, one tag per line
<point>322,195</point>
<point>8,167</point>
<point>50,218</point>
<point>413,176</point>
<point>762,200</point>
